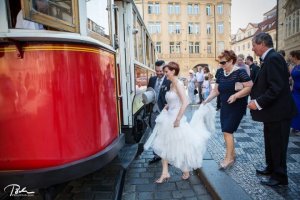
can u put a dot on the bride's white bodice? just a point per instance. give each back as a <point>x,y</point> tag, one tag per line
<point>173,100</point>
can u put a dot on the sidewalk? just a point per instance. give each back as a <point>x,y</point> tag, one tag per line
<point>249,144</point>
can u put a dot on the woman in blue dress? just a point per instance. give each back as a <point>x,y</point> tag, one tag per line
<point>233,85</point>
<point>295,73</point>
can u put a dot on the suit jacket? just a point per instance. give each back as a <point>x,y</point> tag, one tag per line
<point>165,86</point>
<point>254,69</point>
<point>272,92</point>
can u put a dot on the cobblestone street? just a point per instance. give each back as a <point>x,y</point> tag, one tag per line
<point>140,177</point>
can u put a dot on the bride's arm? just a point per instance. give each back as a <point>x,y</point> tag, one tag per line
<point>213,94</point>
<point>183,98</point>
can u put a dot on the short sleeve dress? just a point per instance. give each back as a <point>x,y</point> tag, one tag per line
<point>231,114</point>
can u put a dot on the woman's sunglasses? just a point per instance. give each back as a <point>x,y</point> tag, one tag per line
<point>223,62</point>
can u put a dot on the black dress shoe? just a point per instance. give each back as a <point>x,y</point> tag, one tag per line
<point>264,172</point>
<point>154,159</point>
<point>273,182</point>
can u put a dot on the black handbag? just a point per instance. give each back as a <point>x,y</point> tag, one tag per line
<point>195,91</point>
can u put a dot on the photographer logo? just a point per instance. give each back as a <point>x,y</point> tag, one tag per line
<point>16,191</point>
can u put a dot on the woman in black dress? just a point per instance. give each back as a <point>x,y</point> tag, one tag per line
<point>233,85</point>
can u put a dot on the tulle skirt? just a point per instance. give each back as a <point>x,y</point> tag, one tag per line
<point>183,146</point>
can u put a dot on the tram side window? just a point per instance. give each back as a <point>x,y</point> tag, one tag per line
<point>98,21</point>
<point>38,14</point>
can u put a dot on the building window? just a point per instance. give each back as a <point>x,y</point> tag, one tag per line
<point>170,9</point>
<point>208,29</point>
<point>220,9</point>
<point>191,47</point>
<point>173,8</point>
<point>196,28</point>
<point>177,47</point>
<point>193,28</point>
<point>243,47</point>
<point>190,9</point>
<point>298,21</point>
<point>153,8</point>
<point>208,10</point>
<point>172,47</point>
<point>193,9</point>
<point>171,27</point>
<point>220,27</point>
<point>197,47</point>
<point>177,8</point>
<point>221,46</point>
<point>174,27</point>
<point>248,45</point>
<point>209,48</point>
<point>196,9</point>
<point>154,27</point>
<point>292,23</point>
<point>177,28</point>
<point>190,28</point>
<point>158,47</point>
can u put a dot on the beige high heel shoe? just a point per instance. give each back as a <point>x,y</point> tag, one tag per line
<point>185,176</point>
<point>163,178</point>
<point>226,165</point>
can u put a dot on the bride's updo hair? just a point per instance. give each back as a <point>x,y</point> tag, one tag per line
<point>173,66</point>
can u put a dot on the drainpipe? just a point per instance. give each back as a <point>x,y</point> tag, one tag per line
<point>277,13</point>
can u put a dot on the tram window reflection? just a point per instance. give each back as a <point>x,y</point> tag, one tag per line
<point>40,6</point>
<point>98,20</point>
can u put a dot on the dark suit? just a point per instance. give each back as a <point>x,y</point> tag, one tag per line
<point>272,92</point>
<point>254,69</point>
<point>165,86</point>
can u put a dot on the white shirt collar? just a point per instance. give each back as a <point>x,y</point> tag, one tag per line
<point>265,54</point>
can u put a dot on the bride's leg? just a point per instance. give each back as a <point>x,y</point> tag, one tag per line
<point>165,172</point>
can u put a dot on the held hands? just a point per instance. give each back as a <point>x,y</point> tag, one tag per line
<point>232,99</point>
<point>252,105</point>
<point>176,123</point>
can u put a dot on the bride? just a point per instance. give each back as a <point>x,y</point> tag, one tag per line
<point>176,141</point>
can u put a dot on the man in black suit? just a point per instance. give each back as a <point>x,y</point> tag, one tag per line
<point>161,85</point>
<point>254,69</point>
<point>273,105</point>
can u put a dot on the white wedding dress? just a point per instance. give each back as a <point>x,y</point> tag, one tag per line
<point>185,145</point>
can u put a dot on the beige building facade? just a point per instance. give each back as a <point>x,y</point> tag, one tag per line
<point>288,25</point>
<point>188,32</point>
<point>242,40</point>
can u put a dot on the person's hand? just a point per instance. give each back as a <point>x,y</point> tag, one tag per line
<point>166,107</point>
<point>252,105</point>
<point>176,123</point>
<point>232,99</point>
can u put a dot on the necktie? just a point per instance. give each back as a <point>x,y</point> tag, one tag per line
<point>157,87</point>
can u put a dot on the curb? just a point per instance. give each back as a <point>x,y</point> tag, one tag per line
<point>218,183</point>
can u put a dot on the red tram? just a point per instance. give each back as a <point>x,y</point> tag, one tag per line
<point>69,90</point>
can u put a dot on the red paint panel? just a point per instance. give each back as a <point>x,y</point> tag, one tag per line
<point>57,105</point>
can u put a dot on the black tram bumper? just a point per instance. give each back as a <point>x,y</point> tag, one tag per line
<point>43,178</point>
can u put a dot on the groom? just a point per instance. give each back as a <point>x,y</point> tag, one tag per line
<point>273,105</point>
<point>161,85</point>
